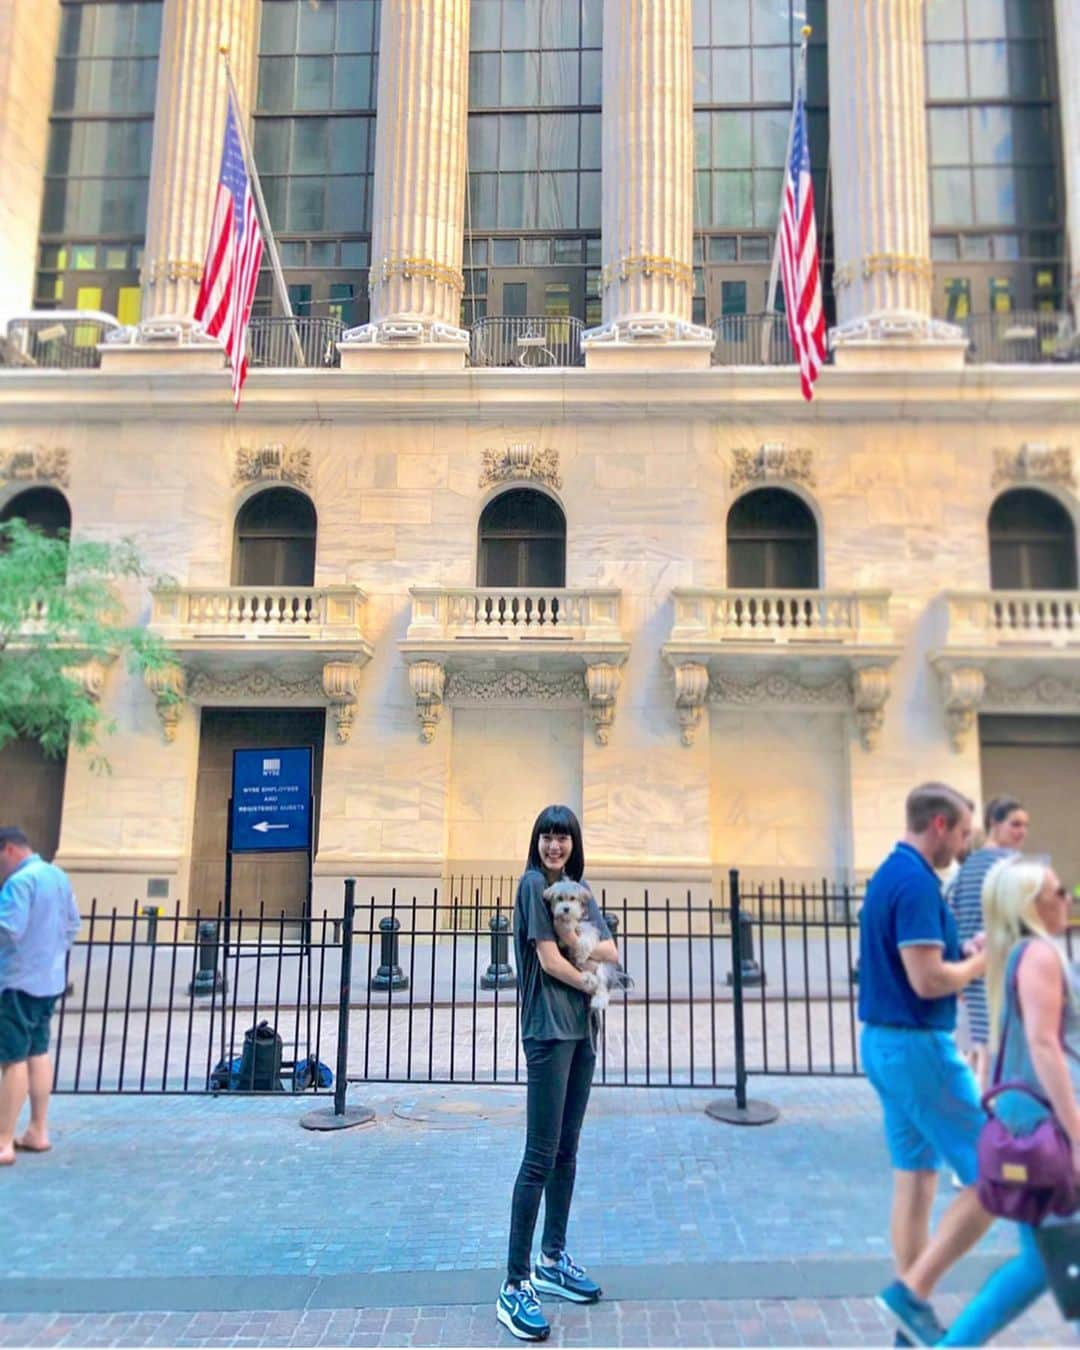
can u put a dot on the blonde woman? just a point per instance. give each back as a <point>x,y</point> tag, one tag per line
<point>1027,978</point>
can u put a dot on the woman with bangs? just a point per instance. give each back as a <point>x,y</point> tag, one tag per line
<point>560,1055</point>
<point>1033,991</point>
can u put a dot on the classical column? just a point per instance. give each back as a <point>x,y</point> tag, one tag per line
<point>648,189</point>
<point>28,34</point>
<point>883,278</point>
<point>189,129</point>
<point>418,213</point>
<point>1067,24</point>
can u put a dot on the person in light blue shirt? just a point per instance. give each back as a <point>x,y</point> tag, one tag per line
<point>911,968</point>
<point>38,924</point>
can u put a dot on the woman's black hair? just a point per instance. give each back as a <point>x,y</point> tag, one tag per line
<point>558,820</point>
<point>999,809</point>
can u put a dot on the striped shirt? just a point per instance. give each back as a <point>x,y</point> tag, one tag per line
<point>965,898</point>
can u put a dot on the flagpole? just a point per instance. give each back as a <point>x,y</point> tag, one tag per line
<point>260,203</point>
<point>774,274</point>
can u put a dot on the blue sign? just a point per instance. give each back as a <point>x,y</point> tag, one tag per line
<point>271,800</point>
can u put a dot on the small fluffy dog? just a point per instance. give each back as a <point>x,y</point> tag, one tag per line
<point>578,938</point>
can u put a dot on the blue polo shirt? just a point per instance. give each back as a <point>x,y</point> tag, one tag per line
<point>904,907</point>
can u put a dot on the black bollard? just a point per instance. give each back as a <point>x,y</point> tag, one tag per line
<point>152,913</point>
<point>751,971</point>
<point>208,979</point>
<point>499,974</point>
<point>389,975</point>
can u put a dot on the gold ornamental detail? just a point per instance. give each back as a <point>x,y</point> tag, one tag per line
<point>646,265</point>
<point>895,264</point>
<point>424,268</point>
<point>172,269</point>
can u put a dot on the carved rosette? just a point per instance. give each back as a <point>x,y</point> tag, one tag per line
<point>962,691</point>
<point>773,461</point>
<point>339,683</point>
<point>427,680</point>
<point>168,686</point>
<point>274,463</point>
<point>35,464</point>
<point>1034,463</point>
<point>521,462</point>
<point>870,688</point>
<point>691,692</point>
<point>602,683</point>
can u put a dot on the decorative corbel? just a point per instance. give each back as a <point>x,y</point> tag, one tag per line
<point>602,682</point>
<point>339,682</point>
<point>962,689</point>
<point>90,676</point>
<point>870,688</point>
<point>168,685</point>
<point>691,691</point>
<point>427,679</point>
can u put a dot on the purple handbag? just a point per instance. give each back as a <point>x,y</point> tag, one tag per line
<point>1024,1177</point>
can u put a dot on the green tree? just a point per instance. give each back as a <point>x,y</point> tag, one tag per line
<point>59,610</point>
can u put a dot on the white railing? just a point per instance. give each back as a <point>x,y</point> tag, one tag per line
<point>781,616</point>
<point>236,613</point>
<point>512,613</point>
<point>1008,618</point>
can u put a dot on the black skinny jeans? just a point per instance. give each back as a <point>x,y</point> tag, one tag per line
<point>559,1076</point>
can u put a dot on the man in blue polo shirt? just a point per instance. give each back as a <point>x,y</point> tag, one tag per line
<point>910,970</point>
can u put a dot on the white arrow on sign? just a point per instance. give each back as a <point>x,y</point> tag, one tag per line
<point>265,825</point>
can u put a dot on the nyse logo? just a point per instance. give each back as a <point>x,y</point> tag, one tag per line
<point>271,768</point>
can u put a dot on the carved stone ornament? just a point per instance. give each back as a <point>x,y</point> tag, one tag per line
<point>870,689</point>
<point>167,686</point>
<point>772,461</point>
<point>35,464</point>
<point>427,680</point>
<point>962,691</point>
<point>778,690</point>
<point>1034,463</point>
<point>510,685</point>
<point>274,463</point>
<point>205,687</point>
<point>1048,693</point>
<point>339,683</point>
<point>691,692</point>
<point>90,675</point>
<point>522,462</point>
<point>602,681</point>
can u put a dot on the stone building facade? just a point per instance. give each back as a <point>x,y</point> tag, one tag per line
<point>729,627</point>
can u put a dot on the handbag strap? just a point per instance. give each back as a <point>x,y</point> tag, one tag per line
<point>1015,988</point>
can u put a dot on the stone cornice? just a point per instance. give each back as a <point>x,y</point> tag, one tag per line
<point>973,393</point>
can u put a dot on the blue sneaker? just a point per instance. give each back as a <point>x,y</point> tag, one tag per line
<point>565,1279</point>
<point>519,1312</point>
<point>916,1318</point>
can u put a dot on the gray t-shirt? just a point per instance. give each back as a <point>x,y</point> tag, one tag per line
<point>550,1010</point>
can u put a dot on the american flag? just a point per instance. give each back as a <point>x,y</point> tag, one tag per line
<point>799,266</point>
<point>233,255</point>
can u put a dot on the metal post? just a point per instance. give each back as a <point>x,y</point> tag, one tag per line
<point>208,979</point>
<point>152,913</point>
<point>499,974</point>
<point>741,1110</point>
<point>389,975</point>
<point>342,1117</point>
<point>750,970</point>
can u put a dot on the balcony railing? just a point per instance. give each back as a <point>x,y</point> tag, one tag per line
<point>55,339</point>
<point>526,341</point>
<point>514,614</point>
<point>235,614</point>
<point>1004,619</point>
<point>275,341</point>
<point>1022,337</point>
<point>752,340</point>
<point>782,617</point>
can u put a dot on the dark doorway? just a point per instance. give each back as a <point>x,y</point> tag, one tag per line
<point>772,542</point>
<point>32,793</point>
<point>44,508</point>
<point>1032,543</point>
<point>275,540</point>
<point>278,880</point>
<point>522,541</point>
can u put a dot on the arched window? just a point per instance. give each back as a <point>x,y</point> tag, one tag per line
<point>1032,543</point>
<point>772,542</point>
<point>42,507</point>
<point>522,541</point>
<point>275,540</point>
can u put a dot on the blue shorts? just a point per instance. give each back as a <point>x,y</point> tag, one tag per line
<point>930,1098</point>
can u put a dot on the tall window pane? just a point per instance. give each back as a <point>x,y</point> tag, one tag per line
<point>97,173</point>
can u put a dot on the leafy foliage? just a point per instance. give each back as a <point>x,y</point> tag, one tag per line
<point>59,609</point>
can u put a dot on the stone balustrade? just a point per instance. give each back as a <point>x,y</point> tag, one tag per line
<point>781,616</point>
<point>514,614</point>
<point>311,614</point>
<point>1004,619</point>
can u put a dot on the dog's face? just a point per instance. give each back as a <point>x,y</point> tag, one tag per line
<point>567,901</point>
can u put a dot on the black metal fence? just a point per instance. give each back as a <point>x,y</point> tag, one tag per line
<point>758,979</point>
